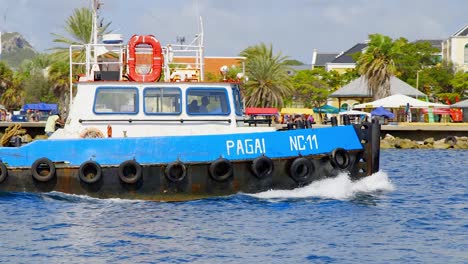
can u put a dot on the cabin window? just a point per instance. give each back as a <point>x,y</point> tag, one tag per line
<point>116,100</point>
<point>207,101</point>
<point>160,101</point>
<point>237,101</point>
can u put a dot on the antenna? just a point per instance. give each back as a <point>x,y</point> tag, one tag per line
<point>180,40</point>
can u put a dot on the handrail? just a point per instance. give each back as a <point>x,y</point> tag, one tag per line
<point>181,120</point>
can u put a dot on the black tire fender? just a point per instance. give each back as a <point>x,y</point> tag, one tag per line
<point>43,170</point>
<point>90,172</point>
<point>130,171</point>
<point>339,158</point>
<point>176,171</point>
<point>3,172</point>
<point>301,170</point>
<point>262,167</point>
<point>221,169</point>
<point>451,140</point>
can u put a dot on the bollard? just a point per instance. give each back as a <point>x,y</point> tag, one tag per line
<point>346,120</point>
<point>334,121</point>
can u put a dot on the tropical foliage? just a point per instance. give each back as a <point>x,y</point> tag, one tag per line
<point>414,56</point>
<point>79,27</point>
<point>10,88</point>
<point>268,80</point>
<point>310,88</point>
<point>377,63</point>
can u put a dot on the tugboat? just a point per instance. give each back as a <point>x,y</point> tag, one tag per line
<point>131,135</point>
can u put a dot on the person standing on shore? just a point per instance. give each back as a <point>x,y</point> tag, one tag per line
<point>53,120</point>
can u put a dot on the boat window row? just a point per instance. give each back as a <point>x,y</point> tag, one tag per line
<point>166,101</point>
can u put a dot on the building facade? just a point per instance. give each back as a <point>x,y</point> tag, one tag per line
<point>455,49</point>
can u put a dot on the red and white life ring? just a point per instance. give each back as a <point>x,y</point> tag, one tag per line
<point>157,58</point>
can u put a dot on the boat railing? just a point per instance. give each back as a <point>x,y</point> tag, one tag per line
<point>177,120</point>
<point>91,62</point>
<point>89,59</point>
<point>185,62</point>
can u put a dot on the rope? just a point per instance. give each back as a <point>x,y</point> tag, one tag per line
<point>10,131</point>
<point>91,132</point>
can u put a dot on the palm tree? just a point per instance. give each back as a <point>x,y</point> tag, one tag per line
<point>377,64</point>
<point>268,80</point>
<point>59,77</point>
<point>79,27</point>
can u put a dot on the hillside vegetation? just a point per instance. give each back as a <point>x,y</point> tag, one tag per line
<point>15,49</point>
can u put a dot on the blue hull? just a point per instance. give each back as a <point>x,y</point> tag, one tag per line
<point>188,149</point>
<point>190,167</point>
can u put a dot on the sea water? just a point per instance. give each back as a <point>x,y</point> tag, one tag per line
<point>414,210</point>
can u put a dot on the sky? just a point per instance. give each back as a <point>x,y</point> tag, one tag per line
<point>293,27</point>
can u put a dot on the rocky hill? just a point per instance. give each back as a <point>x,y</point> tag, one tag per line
<point>15,49</point>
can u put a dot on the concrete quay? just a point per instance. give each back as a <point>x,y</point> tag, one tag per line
<point>422,131</point>
<point>416,131</point>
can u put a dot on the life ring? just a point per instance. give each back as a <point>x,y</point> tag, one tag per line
<point>301,170</point>
<point>451,140</point>
<point>91,132</point>
<point>339,158</point>
<point>3,172</point>
<point>130,171</point>
<point>157,58</point>
<point>262,167</point>
<point>176,171</point>
<point>43,170</point>
<point>90,172</point>
<point>221,169</point>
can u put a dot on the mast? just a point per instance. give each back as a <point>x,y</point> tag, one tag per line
<point>95,6</point>
<point>95,29</point>
<point>202,54</point>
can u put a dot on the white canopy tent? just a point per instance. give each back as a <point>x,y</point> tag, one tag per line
<point>399,100</point>
<point>462,104</point>
<point>355,112</point>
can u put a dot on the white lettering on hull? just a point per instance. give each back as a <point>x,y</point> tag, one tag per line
<point>298,143</point>
<point>246,146</point>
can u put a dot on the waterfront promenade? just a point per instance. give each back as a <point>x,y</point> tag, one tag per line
<point>421,131</point>
<point>418,130</point>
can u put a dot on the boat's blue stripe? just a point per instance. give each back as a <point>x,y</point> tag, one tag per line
<point>185,148</point>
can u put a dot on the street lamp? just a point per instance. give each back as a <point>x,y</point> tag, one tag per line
<point>417,79</point>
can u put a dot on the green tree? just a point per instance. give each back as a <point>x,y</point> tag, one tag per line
<point>268,80</point>
<point>293,62</point>
<point>38,89</point>
<point>436,80</point>
<point>6,76</point>
<point>59,73</point>
<point>413,58</point>
<point>460,84</point>
<point>310,88</point>
<point>10,88</point>
<point>377,64</point>
<point>348,76</point>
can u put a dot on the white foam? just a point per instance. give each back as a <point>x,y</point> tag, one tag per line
<point>340,188</point>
